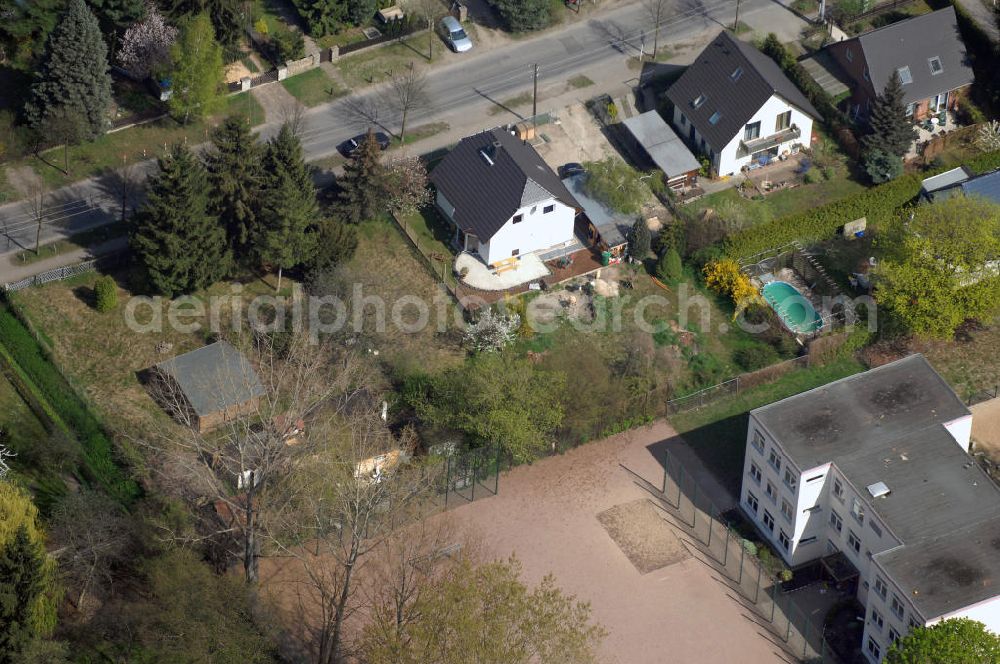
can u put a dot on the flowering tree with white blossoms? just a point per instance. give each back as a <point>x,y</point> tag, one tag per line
<point>988,138</point>
<point>4,455</point>
<point>146,45</point>
<point>492,332</point>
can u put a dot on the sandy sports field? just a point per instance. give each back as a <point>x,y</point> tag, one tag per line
<point>581,517</point>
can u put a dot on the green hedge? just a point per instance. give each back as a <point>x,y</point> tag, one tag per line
<point>98,452</point>
<point>984,163</point>
<point>821,223</point>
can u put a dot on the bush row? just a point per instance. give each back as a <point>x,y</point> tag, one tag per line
<point>98,452</point>
<point>984,163</point>
<point>821,223</point>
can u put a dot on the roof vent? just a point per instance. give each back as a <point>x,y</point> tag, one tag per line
<point>878,489</point>
<point>490,152</point>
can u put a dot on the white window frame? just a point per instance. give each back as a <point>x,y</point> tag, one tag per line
<point>838,489</point>
<point>897,608</point>
<point>787,513</point>
<point>858,511</point>
<point>881,589</point>
<point>755,473</point>
<point>774,460</point>
<point>757,440</point>
<point>771,492</point>
<point>877,620</point>
<point>784,540</point>
<point>874,649</point>
<point>940,65</point>
<point>853,541</point>
<point>893,636</point>
<point>752,502</point>
<point>768,521</point>
<point>836,521</point>
<point>791,480</point>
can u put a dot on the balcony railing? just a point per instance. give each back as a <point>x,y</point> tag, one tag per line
<point>766,142</point>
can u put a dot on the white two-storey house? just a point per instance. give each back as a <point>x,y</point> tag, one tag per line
<point>503,199</point>
<point>871,473</point>
<point>735,106</point>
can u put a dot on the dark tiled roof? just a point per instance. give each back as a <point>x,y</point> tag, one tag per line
<point>735,98</point>
<point>911,43</point>
<point>214,377</point>
<point>486,195</point>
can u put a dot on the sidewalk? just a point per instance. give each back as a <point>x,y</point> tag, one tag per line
<point>11,272</point>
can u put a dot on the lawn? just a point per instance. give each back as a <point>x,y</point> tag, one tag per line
<point>101,355</point>
<point>136,144</point>
<point>385,265</point>
<point>785,202</point>
<point>580,81</point>
<point>717,432</point>
<point>432,235</point>
<point>510,104</point>
<point>313,87</point>
<point>377,64</point>
<point>970,363</point>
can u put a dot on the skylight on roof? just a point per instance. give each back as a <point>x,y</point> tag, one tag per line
<point>935,65</point>
<point>904,75</point>
<point>736,73</point>
<point>698,101</point>
<point>714,119</point>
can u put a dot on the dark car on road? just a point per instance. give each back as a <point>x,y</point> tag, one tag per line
<point>351,145</point>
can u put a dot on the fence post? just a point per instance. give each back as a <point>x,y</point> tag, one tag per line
<point>756,592</point>
<point>711,522</point>
<point>447,481</point>
<point>805,639</point>
<point>496,477</point>
<point>475,474</point>
<point>680,484</point>
<point>774,599</point>
<point>743,552</point>
<point>694,506</point>
<point>725,549</point>
<point>666,465</point>
<point>788,630</point>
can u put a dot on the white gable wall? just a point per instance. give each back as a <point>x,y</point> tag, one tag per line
<point>537,231</point>
<point>724,160</point>
<point>727,161</point>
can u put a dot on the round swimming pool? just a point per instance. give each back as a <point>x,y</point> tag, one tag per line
<point>794,309</point>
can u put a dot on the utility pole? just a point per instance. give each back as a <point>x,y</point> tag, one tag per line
<point>534,100</point>
<point>736,24</point>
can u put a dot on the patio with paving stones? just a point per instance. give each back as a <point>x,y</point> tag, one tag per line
<point>480,276</point>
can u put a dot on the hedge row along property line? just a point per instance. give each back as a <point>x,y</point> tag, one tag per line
<point>877,204</point>
<point>99,464</point>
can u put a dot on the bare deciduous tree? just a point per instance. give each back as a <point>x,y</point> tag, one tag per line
<point>4,455</point>
<point>353,493</point>
<point>428,11</point>
<point>94,536</point>
<point>656,11</point>
<point>407,92</point>
<point>238,470</point>
<point>35,191</point>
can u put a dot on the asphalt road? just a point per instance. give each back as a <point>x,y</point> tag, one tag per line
<point>460,94</point>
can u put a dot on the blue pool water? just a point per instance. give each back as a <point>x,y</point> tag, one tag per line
<point>792,307</point>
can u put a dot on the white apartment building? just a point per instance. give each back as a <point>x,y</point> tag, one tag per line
<point>873,472</point>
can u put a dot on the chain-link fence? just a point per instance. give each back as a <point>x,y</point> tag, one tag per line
<point>797,628</point>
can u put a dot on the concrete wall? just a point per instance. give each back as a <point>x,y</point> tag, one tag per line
<point>296,67</point>
<point>538,230</point>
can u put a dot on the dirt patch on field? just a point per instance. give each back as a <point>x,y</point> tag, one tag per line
<point>643,536</point>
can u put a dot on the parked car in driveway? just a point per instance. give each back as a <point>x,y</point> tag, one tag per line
<point>454,35</point>
<point>351,145</point>
<point>571,169</point>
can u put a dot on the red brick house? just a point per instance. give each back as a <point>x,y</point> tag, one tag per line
<point>928,53</point>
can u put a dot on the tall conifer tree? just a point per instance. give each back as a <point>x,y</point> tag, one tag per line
<point>287,227</point>
<point>235,171</point>
<point>178,240</point>
<point>361,187</point>
<point>73,79</point>
<point>889,130</point>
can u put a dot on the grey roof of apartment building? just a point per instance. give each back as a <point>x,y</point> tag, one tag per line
<point>214,377</point>
<point>913,43</point>
<point>735,79</point>
<point>490,176</point>
<point>887,425</point>
<point>861,412</point>
<point>663,146</point>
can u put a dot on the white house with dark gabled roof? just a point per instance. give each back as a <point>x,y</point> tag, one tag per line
<point>503,199</point>
<point>870,475</point>
<point>735,106</point>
